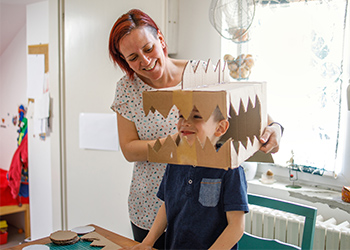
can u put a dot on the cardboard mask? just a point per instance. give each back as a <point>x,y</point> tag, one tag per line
<point>243,103</point>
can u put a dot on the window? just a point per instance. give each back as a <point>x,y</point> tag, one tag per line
<point>298,50</point>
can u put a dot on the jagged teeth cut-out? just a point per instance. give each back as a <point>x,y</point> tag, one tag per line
<point>195,154</point>
<point>203,155</point>
<point>185,101</point>
<point>245,123</point>
<point>205,88</point>
<point>237,99</point>
<point>240,153</point>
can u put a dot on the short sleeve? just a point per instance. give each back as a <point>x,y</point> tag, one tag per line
<point>122,96</point>
<point>235,191</point>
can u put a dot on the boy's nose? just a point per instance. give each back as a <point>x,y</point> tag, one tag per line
<point>186,123</point>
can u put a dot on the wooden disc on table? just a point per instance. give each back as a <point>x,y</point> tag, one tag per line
<point>64,237</point>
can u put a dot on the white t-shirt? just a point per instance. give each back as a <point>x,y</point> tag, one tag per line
<point>143,202</point>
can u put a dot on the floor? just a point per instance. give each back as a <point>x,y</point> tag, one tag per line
<point>14,238</point>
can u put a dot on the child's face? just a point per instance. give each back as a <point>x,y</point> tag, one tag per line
<point>195,126</point>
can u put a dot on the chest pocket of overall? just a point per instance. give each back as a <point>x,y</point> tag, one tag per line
<point>209,192</point>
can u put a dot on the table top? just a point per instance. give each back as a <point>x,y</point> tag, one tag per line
<point>116,238</point>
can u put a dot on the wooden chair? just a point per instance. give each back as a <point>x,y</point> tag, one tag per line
<point>249,241</point>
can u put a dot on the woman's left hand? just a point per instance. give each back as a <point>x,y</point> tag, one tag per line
<point>271,139</point>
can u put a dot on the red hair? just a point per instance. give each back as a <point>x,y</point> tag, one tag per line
<point>124,25</point>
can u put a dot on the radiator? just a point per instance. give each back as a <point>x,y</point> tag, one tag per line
<point>286,227</point>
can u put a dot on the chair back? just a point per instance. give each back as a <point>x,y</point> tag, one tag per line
<point>249,241</point>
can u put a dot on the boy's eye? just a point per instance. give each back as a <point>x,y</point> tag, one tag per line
<point>197,116</point>
<point>181,116</point>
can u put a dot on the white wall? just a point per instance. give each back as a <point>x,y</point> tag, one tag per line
<point>197,38</point>
<point>13,82</point>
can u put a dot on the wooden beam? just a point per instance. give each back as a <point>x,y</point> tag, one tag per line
<point>40,49</point>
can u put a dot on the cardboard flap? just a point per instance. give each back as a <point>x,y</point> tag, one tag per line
<point>165,153</point>
<point>206,102</point>
<point>222,159</point>
<point>186,154</point>
<point>183,100</point>
<point>162,103</point>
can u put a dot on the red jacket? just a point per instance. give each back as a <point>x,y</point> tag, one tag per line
<point>19,161</point>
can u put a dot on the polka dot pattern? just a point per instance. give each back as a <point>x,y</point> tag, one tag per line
<point>143,202</point>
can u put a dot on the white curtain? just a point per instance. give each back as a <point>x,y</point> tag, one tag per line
<point>298,50</point>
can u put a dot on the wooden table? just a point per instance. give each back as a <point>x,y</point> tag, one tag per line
<point>116,238</point>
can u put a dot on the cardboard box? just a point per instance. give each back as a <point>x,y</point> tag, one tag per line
<point>243,103</point>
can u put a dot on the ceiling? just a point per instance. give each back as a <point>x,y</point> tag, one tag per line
<point>12,19</point>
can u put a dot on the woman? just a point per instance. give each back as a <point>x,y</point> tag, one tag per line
<point>138,47</point>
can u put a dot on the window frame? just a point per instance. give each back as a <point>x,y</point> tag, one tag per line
<point>341,176</point>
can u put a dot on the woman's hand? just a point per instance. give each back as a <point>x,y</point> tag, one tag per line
<point>271,138</point>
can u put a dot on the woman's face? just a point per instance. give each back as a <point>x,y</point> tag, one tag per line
<point>144,54</point>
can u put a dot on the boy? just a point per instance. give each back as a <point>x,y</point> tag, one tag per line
<point>203,207</point>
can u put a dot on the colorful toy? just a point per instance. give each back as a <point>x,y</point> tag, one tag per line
<point>22,124</point>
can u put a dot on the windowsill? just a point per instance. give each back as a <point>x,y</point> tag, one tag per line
<point>326,182</point>
<point>312,194</point>
<point>327,201</point>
